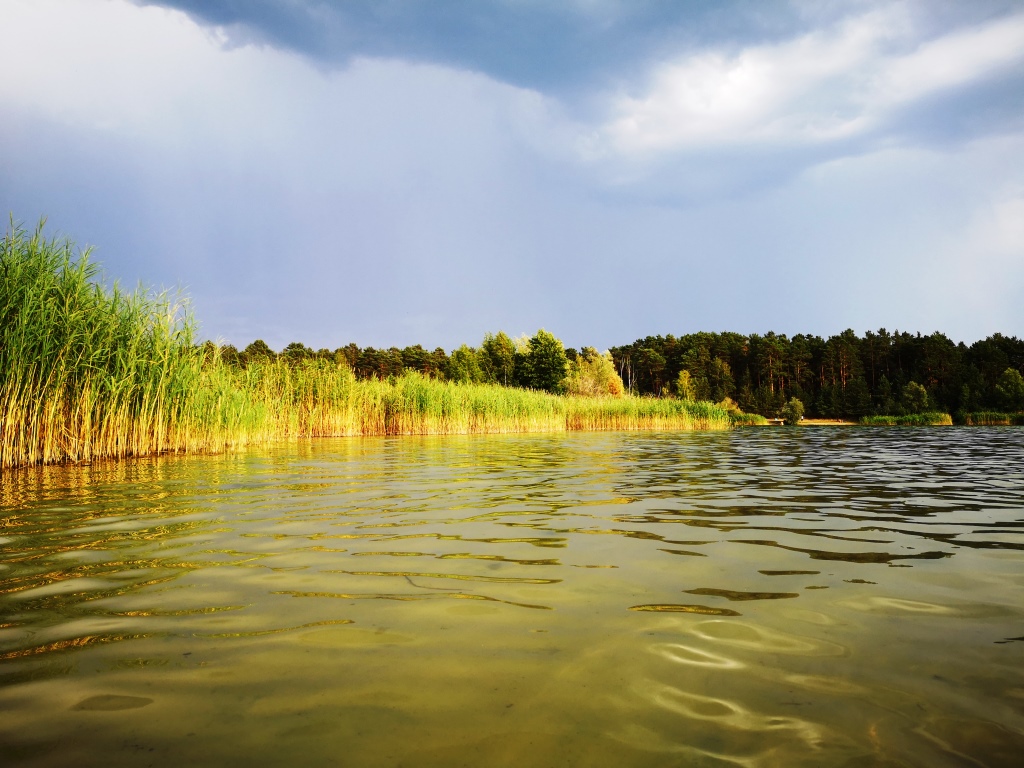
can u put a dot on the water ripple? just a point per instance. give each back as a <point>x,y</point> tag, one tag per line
<point>436,601</point>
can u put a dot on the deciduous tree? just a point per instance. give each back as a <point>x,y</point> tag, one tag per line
<point>546,362</point>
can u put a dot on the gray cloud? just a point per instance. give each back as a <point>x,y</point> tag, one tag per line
<point>395,201</point>
<point>808,81</point>
<point>531,43</point>
<point>547,46</point>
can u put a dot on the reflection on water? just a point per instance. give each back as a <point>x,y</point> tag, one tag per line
<point>754,598</point>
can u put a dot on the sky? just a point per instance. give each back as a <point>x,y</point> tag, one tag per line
<point>397,172</point>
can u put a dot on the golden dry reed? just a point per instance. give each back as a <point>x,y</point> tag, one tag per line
<point>87,373</point>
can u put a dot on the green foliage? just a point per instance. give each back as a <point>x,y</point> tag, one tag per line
<point>732,406</point>
<point>545,362</point>
<point>230,355</point>
<point>296,352</point>
<point>914,398</point>
<point>498,358</point>
<point>464,366</point>
<point>841,376</point>
<point>87,372</point>
<point>589,413</point>
<point>793,411</point>
<point>258,350</point>
<point>686,387</point>
<point>1010,390</point>
<point>653,361</point>
<point>886,402</point>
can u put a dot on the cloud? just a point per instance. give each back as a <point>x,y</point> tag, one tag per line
<point>561,48</point>
<point>400,199</point>
<point>155,77</point>
<point>247,172</point>
<point>826,86</point>
<point>673,101</point>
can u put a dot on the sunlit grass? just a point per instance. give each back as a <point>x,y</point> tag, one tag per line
<point>88,372</point>
<point>319,398</point>
<point>739,419</point>
<point>85,371</point>
<point>930,419</point>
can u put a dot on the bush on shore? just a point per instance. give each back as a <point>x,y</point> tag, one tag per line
<point>793,412</point>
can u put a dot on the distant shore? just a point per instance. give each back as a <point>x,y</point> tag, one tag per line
<point>813,423</point>
<point>827,423</point>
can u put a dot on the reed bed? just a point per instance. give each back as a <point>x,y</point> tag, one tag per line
<point>84,371</point>
<point>930,419</point>
<point>629,413</point>
<point>88,372</point>
<point>992,418</point>
<point>320,399</point>
<point>747,419</point>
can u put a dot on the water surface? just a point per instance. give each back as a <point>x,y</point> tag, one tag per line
<point>763,597</point>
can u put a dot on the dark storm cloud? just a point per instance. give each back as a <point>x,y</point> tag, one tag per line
<point>579,51</point>
<point>537,43</point>
<point>543,45</point>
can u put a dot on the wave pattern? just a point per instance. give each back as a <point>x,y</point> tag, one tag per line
<point>752,598</point>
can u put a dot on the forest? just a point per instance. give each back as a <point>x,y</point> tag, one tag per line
<point>843,376</point>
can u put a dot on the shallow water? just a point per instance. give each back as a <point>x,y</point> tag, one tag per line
<point>763,597</point>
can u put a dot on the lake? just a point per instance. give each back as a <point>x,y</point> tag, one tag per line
<point>760,597</point>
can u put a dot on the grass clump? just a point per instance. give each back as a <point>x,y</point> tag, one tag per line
<point>927,419</point>
<point>84,371</point>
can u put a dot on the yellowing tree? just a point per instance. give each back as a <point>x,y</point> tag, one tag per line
<point>593,374</point>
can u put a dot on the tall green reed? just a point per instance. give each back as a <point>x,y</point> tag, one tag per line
<point>85,371</point>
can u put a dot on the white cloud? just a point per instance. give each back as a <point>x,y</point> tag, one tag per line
<point>156,78</point>
<point>107,65</point>
<point>820,87</point>
<point>950,61</point>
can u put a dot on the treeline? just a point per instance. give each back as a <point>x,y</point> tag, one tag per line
<point>538,362</point>
<point>844,376</point>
